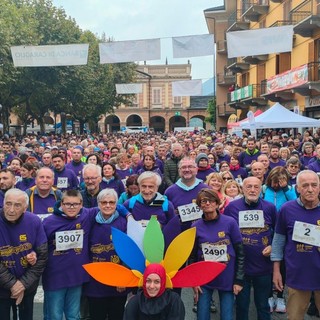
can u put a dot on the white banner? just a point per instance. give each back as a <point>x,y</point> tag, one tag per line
<point>129,88</point>
<point>193,46</point>
<point>187,88</point>
<point>50,56</point>
<point>259,41</point>
<point>130,51</point>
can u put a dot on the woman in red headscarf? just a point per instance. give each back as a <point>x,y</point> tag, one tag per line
<point>154,301</point>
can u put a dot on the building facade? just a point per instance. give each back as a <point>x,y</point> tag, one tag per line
<point>257,82</point>
<point>155,107</point>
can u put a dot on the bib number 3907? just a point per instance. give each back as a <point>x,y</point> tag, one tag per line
<point>70,239</point>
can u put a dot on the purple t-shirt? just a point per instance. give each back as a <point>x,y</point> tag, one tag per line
<point>65,180</point>
<point>64,268</point>
<point>16,241</point>
<point>255,239</point>
<point>221,231</point>
<point>302,260</point>
<point>102,250</point>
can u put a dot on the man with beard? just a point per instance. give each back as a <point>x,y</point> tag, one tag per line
<point>274,157</point>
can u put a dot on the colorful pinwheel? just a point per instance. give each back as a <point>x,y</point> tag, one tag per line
<point>176,255</point>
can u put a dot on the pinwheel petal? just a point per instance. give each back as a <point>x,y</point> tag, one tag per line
<point>112,274</point>
<point>128,251</point>
<point>153,241</point>
<point>135,231</point>
<point>197,274</point>
<point>179,250</point>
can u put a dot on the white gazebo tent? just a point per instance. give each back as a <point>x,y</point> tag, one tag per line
<point>278,116</point>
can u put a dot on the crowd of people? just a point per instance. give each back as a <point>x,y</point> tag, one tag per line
<point>254,203</point>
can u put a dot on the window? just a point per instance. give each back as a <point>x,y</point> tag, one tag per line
<point>156,96</point>
<point>177,101</point>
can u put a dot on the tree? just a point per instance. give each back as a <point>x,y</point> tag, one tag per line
<point>211,110</point>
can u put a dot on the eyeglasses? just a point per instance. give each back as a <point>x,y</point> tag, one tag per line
<point>71,205</point>
<point>211,158</point>
<point>224,166</point>
<point>227,178</point>
<point>205,201</point>
<point>90,178</point>
<point>104,203</point>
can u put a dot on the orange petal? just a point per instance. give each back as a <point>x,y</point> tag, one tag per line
<point>112,274</point>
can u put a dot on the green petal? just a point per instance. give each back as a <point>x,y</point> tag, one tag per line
<point>153,241</point>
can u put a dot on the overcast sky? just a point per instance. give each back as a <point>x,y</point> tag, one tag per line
<point>146,19</point>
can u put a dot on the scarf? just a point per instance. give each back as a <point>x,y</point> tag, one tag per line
<point>234,168</point>
<point>204,169</point>
<point>180,184</point>
<point>101,220</point>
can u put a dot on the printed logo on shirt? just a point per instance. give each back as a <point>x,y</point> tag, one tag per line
<point>50,209</point>
<point>115,259</point>
<point>194,200</point>
<point>78,226</point>
<point>24,262</point>
<point>265,241</point>
<point>221,234</point>
<point>23,237</point>
<point>318,222</point>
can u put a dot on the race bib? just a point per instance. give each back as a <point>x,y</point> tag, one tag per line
<point>189,212</point>
<point>213,252</point>
<point>306,233</point>
<point>62,182</point>
<point>251,219</point>
<point>70,239</point>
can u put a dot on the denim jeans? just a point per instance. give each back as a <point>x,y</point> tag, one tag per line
<point>64,301</point>
<point>261,286</point>
<point>226,304</point>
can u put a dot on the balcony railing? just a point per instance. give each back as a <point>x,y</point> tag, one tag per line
<point>254,9</point>
<point>249,95</point>
<point>237,22</point>
<point>281,23</point>
<point>306,18</point>
<point>224,110</point>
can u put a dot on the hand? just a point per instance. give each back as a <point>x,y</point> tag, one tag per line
<point>283,182</point>
<point>32,258</point>
<point>236,289</point>
<point>17,289</point>
<point>277,281</point>
<point>267,251</point>
<point>196,291</point>
<point>19,298</point>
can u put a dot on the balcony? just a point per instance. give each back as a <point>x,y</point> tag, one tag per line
<point>280,96</point>
<point>306,17</point>
<point>236,22</point>
<point>222,47</point>
<point>246,96</point>
<point>227,78</point>
<point>235,66</point>
<point>255,59</point>
<point>254,9</point>
<point>301,80</point>
<point>224,110</point>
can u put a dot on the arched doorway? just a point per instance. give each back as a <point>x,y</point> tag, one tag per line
<point>177,121</point>
<point>134,120</point>
<point>112,124</point>
<point>158,123</point>
<point>197,121</point>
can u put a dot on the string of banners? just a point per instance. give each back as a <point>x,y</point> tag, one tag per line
<point>110,52</point>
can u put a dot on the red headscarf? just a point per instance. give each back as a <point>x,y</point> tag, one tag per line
<point>160,271</point>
